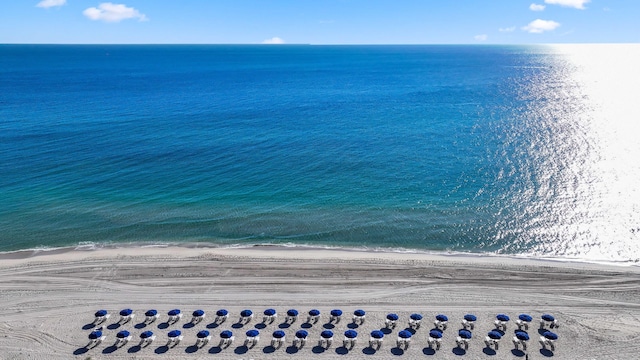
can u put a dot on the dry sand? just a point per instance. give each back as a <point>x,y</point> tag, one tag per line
<point>46,301</point>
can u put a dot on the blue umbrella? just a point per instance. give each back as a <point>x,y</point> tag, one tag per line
<point>522,335</point>
<point>392,317</point>
<point>377,334</point>
<point>292,312</point>
<point>465,334</point>
<point>246,313</point>
<point>336,312</point>
<point>351,334</point>
<point>502,317</point>
<point>174,312</point>
<point>550,335</point>
<point>495,335</point>
<point>405,334</point>
<point>415,317</point>
<point>100,313</point>
<point>222,312</point>
<point>547,317</point>
<point>126,312</point>
<point>151,313</point>
<point>278,334</point>
<point>95,334</point>
<point>301,334</point>
<point>270,312</point>
<point>202,334</point>
<point>314,312</point>
<point>253,333</point>
<point>145,335</point>
<point>359,312</point>
<point>435,333</point>
<point>174,333</point>
<point>198,313</point>
<point>123,334</point>
<point>441,317</point>
<point>326,334</point>
<point>226,334</point>
<point>525,317</point>
<point>470,317</point>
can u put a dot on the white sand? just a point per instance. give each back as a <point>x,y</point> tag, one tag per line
<point>45,301</point>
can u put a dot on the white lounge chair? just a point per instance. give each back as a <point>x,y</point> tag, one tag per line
<point>300,339</point>
<point>326,339</point>
<point>463,339</point>
<point>226,339</point>
<point>279,338</point>
<point>359,317</point>
<point>435,339</point>
<point>253,336</point>
<point>375,339</point>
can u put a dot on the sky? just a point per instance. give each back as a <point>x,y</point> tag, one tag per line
<point>319,21</point>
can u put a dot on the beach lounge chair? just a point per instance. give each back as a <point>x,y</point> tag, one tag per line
<point>175,336</point>
<point>441,322</point>
<point>292,316</point>
<point>435,339</point>
<point>146,338</point>
<point>313,317</point>
<point>253,336</point>
<point>548,322</point>
<point>226,339</point>
<point>174,316</point>
<point>197,316</point>
<point>359,317</point>
<point>100,317</point>
<point>326,339</point>
<point>375,340</point>
<point>278,339</point>
<point>245,316</point>
<point>269,316</point>
<point>350,339</point>
<point>150,316</point>
<point>414,321</point>
<point>548,340</point>
<point>335,315</point>
<point>469,322</point>
<point>523,321</point>
<point>520,340</point>
<point>202,338</point>
<point>125,316</point>
<point>404,339</point>
<point>221,316</point>
<point>492,340</point>
<point>122,338</point>
<point>391,321</point>
<point>463,339</point>
<point>501,322</point>
<point>300,339</point>
<point>95,338</point>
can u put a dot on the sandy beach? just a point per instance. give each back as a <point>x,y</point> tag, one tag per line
<point>48,301</point>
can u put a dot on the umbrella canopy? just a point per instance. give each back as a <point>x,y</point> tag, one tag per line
<point>278,334</point>
<point>359,312</point>
<point>126,312</point>
<point>174,312</point>
<point>435,333</point>
<point>270,312</point>
<point>392,317</point>
<point>336,312</point>
<point>198,313</point>
<point>494,335</point>
<point>326,334</point>
<point>550,335</point>
<point>521,335</point>
<point>525,317</point>
<point>415,317</point>
<point>351,334</point>
<point>292,312</point>
<point>502,317</point>
<point>202,334</point>
<point>405,334</point>
<point>377,334</point>
<point>301,334</point>
<point>123,334</point>
<point>145,335</point>
<point>101,313</point>
<point>465,334</point>
<point>314,312</point>
<point>470,317</point>
<point>252,333</point>
<point>174,333</point>
<point>151,312</point>
<point>548,317</point>
<point>246,313</point>
<point>226,334</point>
<point>95,334</point>
<point>441,317</point>
<point>222,312</point>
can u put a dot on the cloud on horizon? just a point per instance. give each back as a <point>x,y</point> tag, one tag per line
<point>508,29</point>
<point>578,4</point>
<point>481,37</point>
<point>273,40</point>
<point>50,3</point>
<point>110,12</point>
<point>536,7</point>
<point>539,26</point>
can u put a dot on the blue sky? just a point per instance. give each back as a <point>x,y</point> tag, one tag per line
<point>320,21</point>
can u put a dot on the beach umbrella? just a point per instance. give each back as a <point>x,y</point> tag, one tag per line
<point>126,312</point>
<point>252,333</point>
<point>435,333</point>
<point>377,334</point>
<point>441,317</point>
<point>416,317</point>
<point>151,313</point>
<point>222,312</point>
<point>525,317</point>
<point>405,334</point>
<point>465,334</point>
<point>292,312</point>
<point>123,334</point>
<point>545,317</point>
<point>301,334</point>
<point>174,312</point>
<point>314,312</point>
<point>145,335</point>
<point>351,334</point>
<point>470,317</point>
<point>198,313</point>
<point>521,335</point>
<point>494,335</point>
<point>326,334</point>
<point>202,334</point>
<point>336,312</point>
<point>95,335</point>
<point>174,333</point>
<point>502,317</point>
<point>226,334</point>
<point>550,335</point>
<point>101,313</point>
<point>269,312</point>
<point>359,312</point>
<point>246,313</point>
<point>278,334</point>
<point>392,317</point>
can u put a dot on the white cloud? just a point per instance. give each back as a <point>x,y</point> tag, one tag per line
<point>110,12</point>
<point>481,37</point>
<point>273,40</point>
<point>508,29</point>
<point>539,26</point>
<point>578,4</point>
<point>51,3</point>
<point>536,7</point>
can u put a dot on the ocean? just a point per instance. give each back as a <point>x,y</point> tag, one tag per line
<point>475,149</point>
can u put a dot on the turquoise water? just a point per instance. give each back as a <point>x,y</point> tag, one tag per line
<point>481,149</point>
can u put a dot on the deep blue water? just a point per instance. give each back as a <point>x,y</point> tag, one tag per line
<point>482,149</point>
